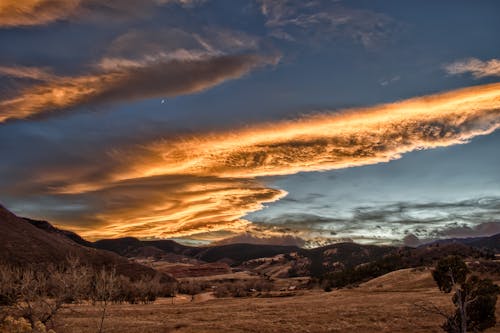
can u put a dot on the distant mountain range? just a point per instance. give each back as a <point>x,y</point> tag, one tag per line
<point>491,242</point>
<point>27,241</point>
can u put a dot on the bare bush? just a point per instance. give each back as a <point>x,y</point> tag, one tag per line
<point>261,285</point>
<point>242,288</point>
<point>146,290</point>
<point>21,325</point>
<point>37,295</point>
<point>191,287</point>
<point>70,283</point>
<point>9,277</point>
<point>232,289</point>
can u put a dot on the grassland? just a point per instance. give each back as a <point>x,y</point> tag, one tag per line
<point>386,304</point>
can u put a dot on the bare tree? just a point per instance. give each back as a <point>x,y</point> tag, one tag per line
<point>191,288</point>
<point>104,291</point>
<point>38,295</point>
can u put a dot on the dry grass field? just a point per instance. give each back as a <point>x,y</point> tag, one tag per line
<point>386,304</point>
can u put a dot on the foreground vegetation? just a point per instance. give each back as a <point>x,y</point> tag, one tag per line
<point>80,298</point>
<point>31,297</point>
<point>388,305</point>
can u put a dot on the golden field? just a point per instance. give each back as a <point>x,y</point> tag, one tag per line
<point>386,304</point>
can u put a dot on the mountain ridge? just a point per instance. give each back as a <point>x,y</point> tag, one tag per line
<point>28,243</point>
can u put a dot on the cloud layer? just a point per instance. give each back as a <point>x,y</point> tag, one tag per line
<point>170,206</point>
<point>412,222</point>
<point>329,140</point>
<point>191,184</point>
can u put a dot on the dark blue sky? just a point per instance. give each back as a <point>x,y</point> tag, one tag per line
<point>81,91</point>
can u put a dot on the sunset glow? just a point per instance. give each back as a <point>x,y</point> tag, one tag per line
<point>208,182</point>
<point>320,121</point>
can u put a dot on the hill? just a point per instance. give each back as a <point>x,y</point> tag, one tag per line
<point>46,226</point>
<point>490,242</point>
<point>341,263</point>
<point>37,243</point>
<point>233,254</point>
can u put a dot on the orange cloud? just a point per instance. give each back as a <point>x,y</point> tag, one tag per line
<point>35,12</point>
<point>329,140</point>
<point>122,80</point>
<point>210,182</point>
<point>15,13</point>
<point>169,206</point>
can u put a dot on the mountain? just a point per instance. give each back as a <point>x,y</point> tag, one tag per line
<point>343,255</point>
<point>233,254</point>
<point>37,243</point>
<point>489,242</point>
<point>46,226</point>
<point>345,262</point>
<point>282,261</point>
<point>130,246</point>
<point>277,260</point>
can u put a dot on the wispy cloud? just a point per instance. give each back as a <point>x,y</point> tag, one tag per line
<point>477,68</point>
<point>214,174</point>
<point>23,72</point>
<point>143,46</point>
<point>306,21</point>
<point>14,13</point>
<point>124,80</point>
<point>137,65</point>
<point>387,81</point>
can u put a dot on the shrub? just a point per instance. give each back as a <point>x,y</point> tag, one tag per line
<point>242,288</point>
<point>21,325</point>
<point>9,281</point>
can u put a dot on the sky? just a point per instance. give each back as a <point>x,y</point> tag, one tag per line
<point>285,122</point>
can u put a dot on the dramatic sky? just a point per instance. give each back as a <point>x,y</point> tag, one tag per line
<point>283,121</point>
